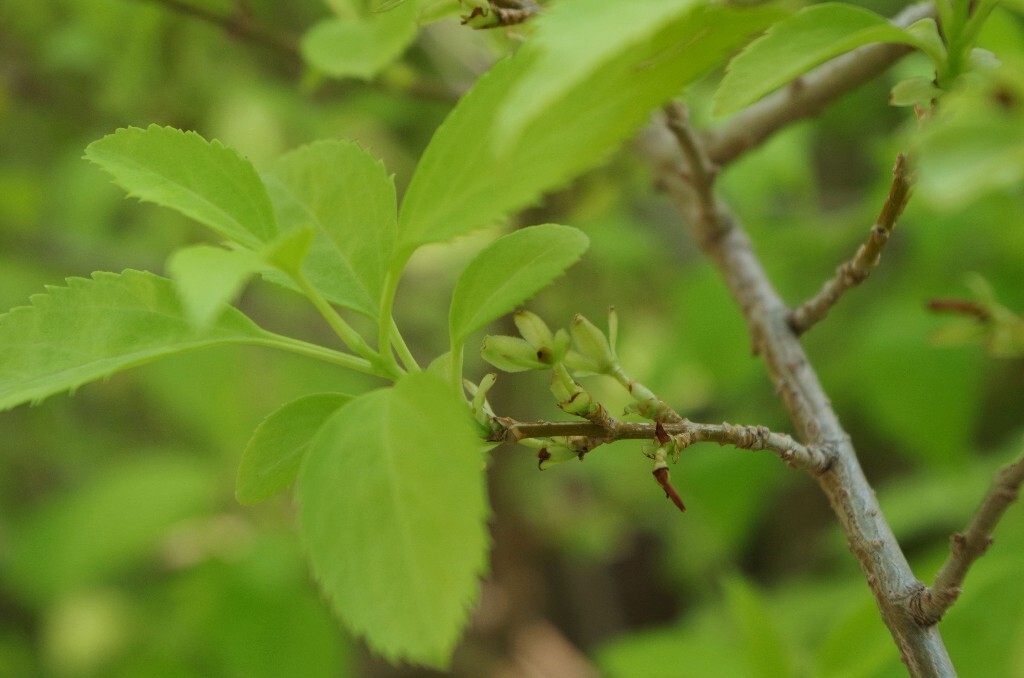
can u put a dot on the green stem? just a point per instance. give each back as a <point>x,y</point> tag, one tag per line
<point>386,329</point>
<point>404,354</point>
<point>352,339</point>
<point>292,345</point>
<point>455,373</point>
<point>656,407</point>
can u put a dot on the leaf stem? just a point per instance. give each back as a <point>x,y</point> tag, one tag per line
<point>386,328</point>
<point>404,354</point>
<point>352,339</point>
<point>648,403</point>
<point>292,345</point>
<point>455,365</point>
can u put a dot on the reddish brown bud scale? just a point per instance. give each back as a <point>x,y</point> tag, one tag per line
<point>542,456</point>
<point>661,475</point>
<point>661,434</point>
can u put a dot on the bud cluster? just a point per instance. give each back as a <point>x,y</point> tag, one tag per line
<point>584,348</point>
<point>537,348</point>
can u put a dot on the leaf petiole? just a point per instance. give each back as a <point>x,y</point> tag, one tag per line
<point>352,339</point>
<point>387,331</point>
<point>299,347</point>
<point>404,354</point>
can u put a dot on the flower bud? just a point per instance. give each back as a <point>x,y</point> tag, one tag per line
<point>554,454</point>
<point>580,364</point>
<point>613,329</point>
<point>482,411</point>
<point>533,328</point>
<point>511,354</point>
<point>592,343</point>
<point>561,345</point>
<point>572,398</point>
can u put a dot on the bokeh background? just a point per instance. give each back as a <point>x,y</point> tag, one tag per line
<point>124,553</point>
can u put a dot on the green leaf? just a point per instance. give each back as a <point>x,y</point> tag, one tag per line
<point>795,45</point>
<point>929,40</point>
<point>573,42</point>
<point>95,327</point>
<point>393,512</point>
<point>342,190</point>
<point>468,178</point>
<point>508,272</point>
<point>913,91</point>
<point>208,278</point>
<point>272,458</point>
<point>360,47</point>
<point>203,180</point>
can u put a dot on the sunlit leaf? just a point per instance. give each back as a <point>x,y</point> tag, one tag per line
<point>795,45</point>
<point>272,458</point>
<point>508,272</point>
<point>95,327</point>
<point>203,180</point>
<point>575,41</point>
<point>347,195</point>
<point>393,512</point>
<point>468,177</point>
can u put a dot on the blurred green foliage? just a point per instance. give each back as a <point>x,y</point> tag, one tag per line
<point>124,553</point>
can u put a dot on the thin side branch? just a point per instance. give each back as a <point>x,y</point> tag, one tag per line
<point>855,271</point>
<point>852,498</point>
<point>238,25</point>
<point>808,95</point>
<point>967,546</point>
<point>684,433</point>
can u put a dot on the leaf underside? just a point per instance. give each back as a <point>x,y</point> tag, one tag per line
<point>795,45</point>
<point>470,175</point>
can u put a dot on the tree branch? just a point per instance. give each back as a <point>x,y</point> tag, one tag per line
<point>929,605</point>
<point>239,25</point>
<point>856,270</point>
<point>684,433</point>
<point>852,498</point>
<point>808,95</point>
